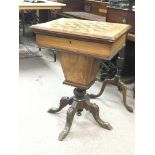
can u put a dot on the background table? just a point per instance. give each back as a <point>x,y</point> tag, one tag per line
<point>40,6</point>
<point>48,5</point>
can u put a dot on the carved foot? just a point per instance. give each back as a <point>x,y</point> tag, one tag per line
<point>105,82</point>
<point>70,115</point>
<point>94,109</point>
<point>124,90</point>
<point>63,102</point>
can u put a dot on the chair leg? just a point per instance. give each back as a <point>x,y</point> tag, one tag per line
<point>134,91</point>
<point>54,56</point>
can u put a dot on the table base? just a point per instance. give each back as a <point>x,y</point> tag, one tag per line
<point>78,102</point>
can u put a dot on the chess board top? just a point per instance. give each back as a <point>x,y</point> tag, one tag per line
<point>82,29</point>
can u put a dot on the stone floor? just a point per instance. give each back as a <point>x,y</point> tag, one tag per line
<point>41,87</point>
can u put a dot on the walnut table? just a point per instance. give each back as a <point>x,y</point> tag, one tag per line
<point>82,44</point>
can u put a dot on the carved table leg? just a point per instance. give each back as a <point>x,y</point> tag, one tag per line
<point>105,82</point>
<point>63,102</point>
<point>70,115</point>
<point>124,89</point>
<point>116,81</point>
<point>94,110</point>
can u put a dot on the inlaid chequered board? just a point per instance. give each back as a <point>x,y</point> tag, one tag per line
<point>84,28</point>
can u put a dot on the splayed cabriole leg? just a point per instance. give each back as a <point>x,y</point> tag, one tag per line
<point>116,81</point>
<point>94,110</point>
<point>121,86</point>
<point>63,102</point>
<point>70,115</point>
<point>124,89</point>
<point>105,82</point>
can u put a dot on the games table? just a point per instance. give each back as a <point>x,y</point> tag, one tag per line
<point>82,44</point>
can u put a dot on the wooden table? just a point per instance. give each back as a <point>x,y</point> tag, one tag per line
<point>48,5</point>
<point>82,44</point>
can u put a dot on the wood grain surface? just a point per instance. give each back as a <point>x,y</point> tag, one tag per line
<point>79,70</point>
<point>84,28</point>
<point>100,50</point>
